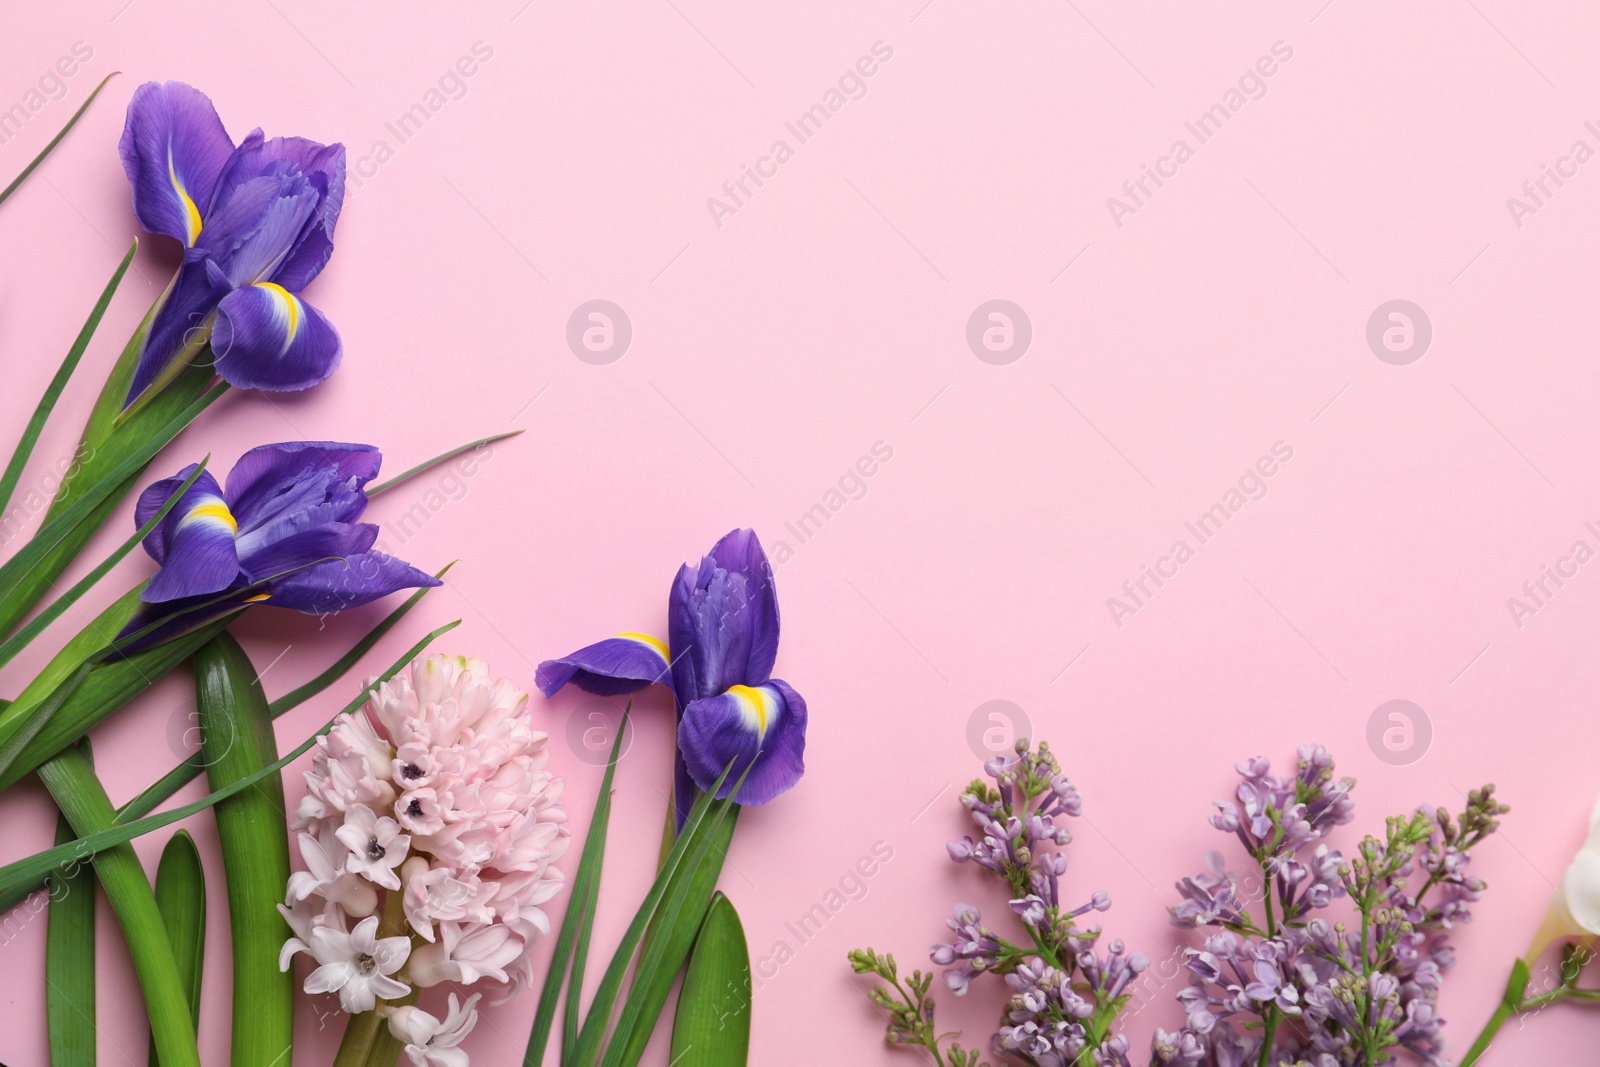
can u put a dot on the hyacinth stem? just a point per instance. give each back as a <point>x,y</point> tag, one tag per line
<point>367,1040</point>
<point>385,1049</point>
<point>359,1034</point>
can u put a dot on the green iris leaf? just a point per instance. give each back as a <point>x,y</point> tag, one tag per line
<point>576,924</point>
<point>52,393</point>
<point>712,1026</point>
<point>383,487</point>
<point>72,782</point>
<point>40,158</point>
<point>26,873</point>
<point>181,896</point>
<point>69,962</point>
<point>237,741</point>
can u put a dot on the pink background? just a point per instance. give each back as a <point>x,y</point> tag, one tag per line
<point>828,313</point>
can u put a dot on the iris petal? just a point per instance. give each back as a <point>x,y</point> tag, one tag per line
<point>264,241</point>
<point>323,169</point>
<point>740,552</point>
<point>621,664</point>
<point>268,475</point>
<point>339,585</point>
<point>762,728</point>
<point>156,494</point>
<point>324,541</point>
<point>200,557</point>
<point>279,534</point>
<point>173,149</point>
<point>266,337</point>
<point>310,501</point>
<point>723,619</point>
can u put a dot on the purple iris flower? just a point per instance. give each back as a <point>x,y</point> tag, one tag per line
<point>283,533</point>
<point>722,623</point>
<point>256,222</point>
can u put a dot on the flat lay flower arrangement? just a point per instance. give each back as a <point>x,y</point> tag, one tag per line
<point>412,881</point>
<point>430,858</point>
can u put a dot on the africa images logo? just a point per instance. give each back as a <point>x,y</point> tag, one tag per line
<point>851,85</point>
<point>1252,85</point>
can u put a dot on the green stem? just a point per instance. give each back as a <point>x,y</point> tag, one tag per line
<point>1270,1016</point>
<point>1480,1046</point>
<point>1512,1002</point>
<point>384,1048</point>
<point>359,1034</point>
<point>917,1005</point>
<point>72,782</point>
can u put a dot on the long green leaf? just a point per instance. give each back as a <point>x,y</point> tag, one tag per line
<point>383,487</point>
<point>20,566</point>
<point>25,718</point>
<point>181,896</point>
<point>340,667</point>
<point>20,739</point>
<point>681,913</point>
<point>72,782</point>
<point>22,637</point>
<point>112,684</point>
<point>26,873</point>
<point>190,769</point>
<point>20,713</point>
<point>52,393</point>
<point>572,1016</point>
<point>69,963</point>
<point>598,1018</point>
<point>580,914</point>
<point>40,158</point>
<point>237,741</point>
<point>109,405</point>
<point>663,956</point>
<point>712,1026</point>
<point>108,687</point>
<point>80,647</point>
<point>102,459</point>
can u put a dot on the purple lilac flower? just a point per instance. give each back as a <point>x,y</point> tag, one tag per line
<point>1330,993</point>
<point>1064,988</point>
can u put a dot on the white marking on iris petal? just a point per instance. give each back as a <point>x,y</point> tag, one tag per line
<point>286,311</point>
<point>758,707</point>
<point>191,212</point>
<point>212,510</point>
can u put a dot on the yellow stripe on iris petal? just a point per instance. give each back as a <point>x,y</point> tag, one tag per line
<point>755,706</point>
<point>655,643</point>
<point>290,308</point>
<point>216,511</point>
<point>191,213</point>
